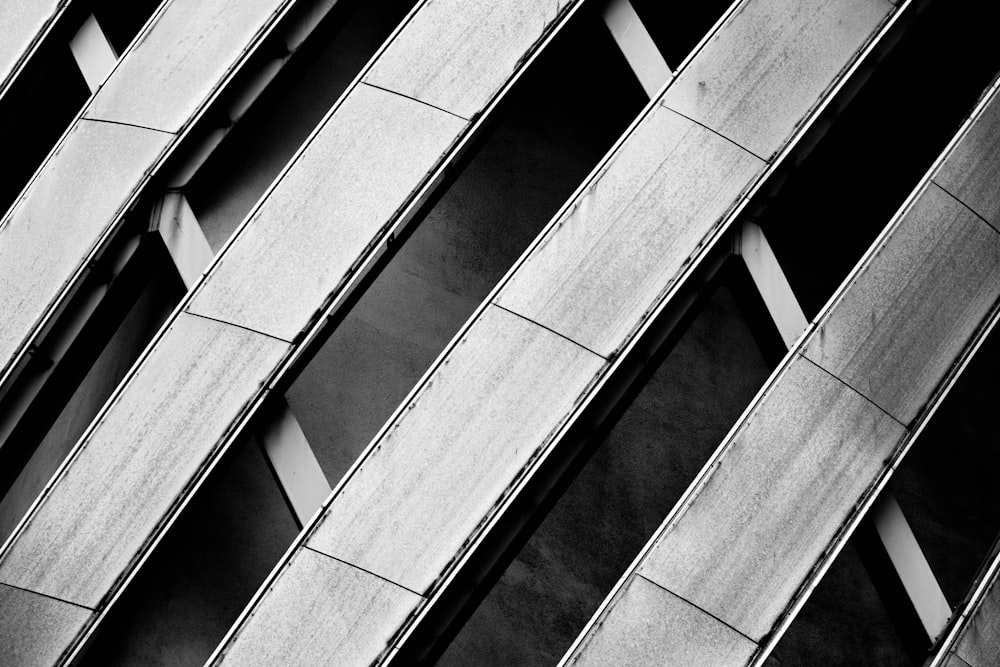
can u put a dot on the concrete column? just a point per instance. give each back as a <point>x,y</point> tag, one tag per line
<point>93,53</point>
<point>285,447</point>
<point>636,45</point>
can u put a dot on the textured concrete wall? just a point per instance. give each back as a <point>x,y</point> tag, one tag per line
<point>546,142</point>
<point>124,347</point>
<point>557,127</point>
<point>636,475</point>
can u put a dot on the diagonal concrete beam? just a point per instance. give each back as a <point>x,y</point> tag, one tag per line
<point>76,203</point>
<point>286,449</point>
<point>894,543</point>
<point>739,554</point>
<point>973,639</point>
<point>323,225</point>
<point>28,27</point>
<point>26,383</point>
<point>467,458</point>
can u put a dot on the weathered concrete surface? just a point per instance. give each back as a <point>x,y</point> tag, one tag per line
<point>200,577</point>
<point>635,476</point>
<point>23,23</point>
<point>125,346</point>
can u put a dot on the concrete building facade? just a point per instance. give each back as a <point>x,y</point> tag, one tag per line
<point>491,333</point>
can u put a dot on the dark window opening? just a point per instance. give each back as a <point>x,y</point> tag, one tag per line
<point>839,199</point>
<point>254,152</point>
<point>676,28</point>
<point>545,141</point>
<point>625,490</point>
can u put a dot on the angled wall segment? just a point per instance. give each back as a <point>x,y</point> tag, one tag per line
<point>67,212</point>
<point>24,26</point>
<point>322,218</point>
<point>30,621</point>
<point>975,638</point>
<point>327,217</point>
<point>784,490</point>
<point>590,281</point>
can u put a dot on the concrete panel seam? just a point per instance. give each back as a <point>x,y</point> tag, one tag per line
<point>358,567</point>
<point>663,104</point>
<point>702,610</point>
<point>414,99</point>
<point>238,326</point>
<point>118,122</point>
<point>552,331</point>
<point>853,389</point>
<point>36,41</point>
<point>964,205</point>
<point>46,595</point>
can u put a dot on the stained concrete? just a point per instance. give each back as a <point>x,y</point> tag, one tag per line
<point>237,527</point>
<point>542,147</point>
<point>526,167</point>
<point>125,346</point>
<point>620,497</point>
<point>843,622</point>
<point>203,573</point>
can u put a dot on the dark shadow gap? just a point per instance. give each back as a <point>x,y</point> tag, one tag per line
<point>545,140</point>
<point>50,91</point>
<point>835,203</point>
<point>623,492</point>
<point>677,27</point>
<point>254,152</point>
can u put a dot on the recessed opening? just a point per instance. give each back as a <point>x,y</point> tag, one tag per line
<point>136,304</point>
<point>251,156</point>
<point>121,21</point>
<point>50,91</point>
<point>835,203</point>
<point>545,141</point>
<point>844,622</point>
<point>676,28</point>
<point>35,113</point>
<point>635,476</point>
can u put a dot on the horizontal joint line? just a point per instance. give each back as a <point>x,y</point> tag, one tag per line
<point>552,331</point>
<point>414,99</point>
<point>715,132</point>
<point>117,122</point>
<point>964,205</point>
<point>854,389</point>
<point>707,613</point>
<point>46,595</point>
<point>238,326</point>
<point>357,567</point>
